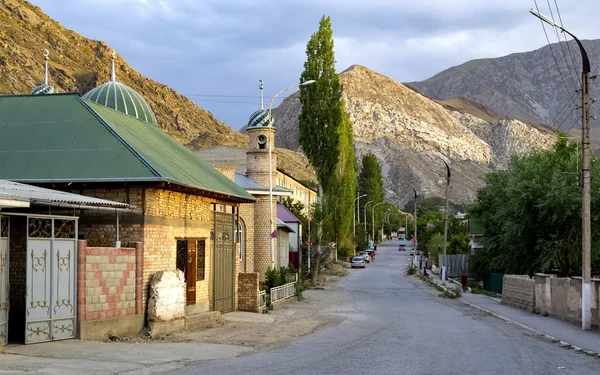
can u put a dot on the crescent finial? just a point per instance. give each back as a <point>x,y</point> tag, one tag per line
<point>46,53</point>
<point>114,53</point>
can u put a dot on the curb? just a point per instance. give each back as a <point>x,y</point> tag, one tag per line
<point>563,344</point>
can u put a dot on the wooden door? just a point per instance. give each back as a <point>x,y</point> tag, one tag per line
<point>186,262</point>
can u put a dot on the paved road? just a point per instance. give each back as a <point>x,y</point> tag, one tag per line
<point>396,325</point>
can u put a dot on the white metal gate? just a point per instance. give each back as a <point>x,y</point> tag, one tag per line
<point>4,299</point>
<point>51,299</point>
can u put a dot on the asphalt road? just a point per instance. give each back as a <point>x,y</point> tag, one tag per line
<point>395,324</point>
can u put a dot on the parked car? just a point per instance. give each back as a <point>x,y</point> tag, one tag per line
<point>412,251</point>
<point>402,247</point>
<point>358,262</point>
<point>402,237</point>
<point>365,256</point>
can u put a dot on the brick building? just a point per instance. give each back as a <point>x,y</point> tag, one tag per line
<point>107,145</point>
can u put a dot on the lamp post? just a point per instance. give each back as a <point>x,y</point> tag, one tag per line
<point>445,222</point>
<point>271,167</point>
<point>415,225</point>
<point>385,219</point>
<point>586,287</point>
<point>373,221</point>
<point>357,199</point>
<point>366,217</point>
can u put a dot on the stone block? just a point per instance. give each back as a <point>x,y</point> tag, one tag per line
<point>167,296</point>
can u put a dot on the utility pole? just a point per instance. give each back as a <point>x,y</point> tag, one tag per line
<point>366,204</point>
<point>373,219</point>
<point>444,276</point>
<point>415,229</point>
<point>586,287</point>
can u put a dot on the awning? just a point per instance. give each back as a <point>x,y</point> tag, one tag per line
<point>14,192</point>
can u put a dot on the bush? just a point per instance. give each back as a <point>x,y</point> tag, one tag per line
<point>283,273</point>
<point>345,252</point>
<point>411,268</point>
<point>480,264</point>
<point>271,278</point>
<point>475,286</point>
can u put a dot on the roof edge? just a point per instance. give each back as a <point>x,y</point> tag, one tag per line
<point>295,179</point>
<point>123,141</point>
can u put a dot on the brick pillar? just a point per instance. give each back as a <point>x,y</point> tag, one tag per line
<point>139,272</point>
<point>81,273</point>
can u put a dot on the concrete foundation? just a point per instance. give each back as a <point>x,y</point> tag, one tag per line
<point>100,329</point>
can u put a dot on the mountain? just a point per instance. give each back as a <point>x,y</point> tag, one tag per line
<point>78,64</point>
<point>526,86</point>
<point>411,134</point>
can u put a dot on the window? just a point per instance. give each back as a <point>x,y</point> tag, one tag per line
<point>239,235</point>
<point>200,259</point>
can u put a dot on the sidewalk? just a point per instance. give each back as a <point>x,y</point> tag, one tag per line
<point>74,357</point>
<point>554,328</point>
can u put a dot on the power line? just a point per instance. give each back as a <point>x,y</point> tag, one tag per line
<point>568,48</point>
<point>553,55</point>
<point>571,72</point>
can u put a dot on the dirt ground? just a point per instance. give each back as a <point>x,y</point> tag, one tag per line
<point>294,318</point>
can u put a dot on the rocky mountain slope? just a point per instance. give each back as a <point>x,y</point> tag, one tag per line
<point>526,86</point>
<point>78,64</point>
<point>411,134</point>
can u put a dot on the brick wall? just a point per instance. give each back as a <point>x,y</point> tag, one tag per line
<point>248,289</point>
<point>247,215</point>
<point>17,263</point>
<point>109,281</point>
<point>262,235</point>
<point>518,290</point>
<point>228,171</point>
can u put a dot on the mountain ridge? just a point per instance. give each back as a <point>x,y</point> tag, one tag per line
<point>78,64</point>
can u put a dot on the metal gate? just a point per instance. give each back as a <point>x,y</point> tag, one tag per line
<point>224,262</point>
<point>51,279</point>
<point>4,301</point>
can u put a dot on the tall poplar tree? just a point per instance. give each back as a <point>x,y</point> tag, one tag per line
<point>370,182</point>
<point>322,113</point>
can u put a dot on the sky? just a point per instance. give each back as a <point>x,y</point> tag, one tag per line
<point>216,51</point>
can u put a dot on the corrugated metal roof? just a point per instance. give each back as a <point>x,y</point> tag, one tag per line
<point>284,226</point>
<point>53,137</point>
<point>167,156</point>
<point>34,194</point>
<point>248,184</point>
<point>61,137</point>
<point>285,215</point>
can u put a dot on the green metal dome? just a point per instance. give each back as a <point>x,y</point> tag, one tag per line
<point>261,119</point>
<point>122,98</point>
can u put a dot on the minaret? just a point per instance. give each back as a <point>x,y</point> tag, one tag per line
<point>113,76</point>
<point>44,88</point>
<point>263,170</point>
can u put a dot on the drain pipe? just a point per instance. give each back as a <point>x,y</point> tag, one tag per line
<point>118,243</point>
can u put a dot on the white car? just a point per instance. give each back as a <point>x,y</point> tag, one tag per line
<point>357,262</point>
<point>412,251</point>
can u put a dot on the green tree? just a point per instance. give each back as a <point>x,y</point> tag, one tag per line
<point>370,182</point>
<point>340,194</point>
<point>322,115</point>
<point>532,213</point>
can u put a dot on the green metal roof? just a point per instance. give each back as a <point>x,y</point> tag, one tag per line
<point>475,226</point>
<point>61,137</point>
<point>122,98</point>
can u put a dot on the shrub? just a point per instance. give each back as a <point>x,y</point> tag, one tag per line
<point>271,278</point>
<point>475,286</point>
<point>283,272</point>
<point>411,268</point>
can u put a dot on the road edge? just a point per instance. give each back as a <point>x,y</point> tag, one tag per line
<point>563,344</point>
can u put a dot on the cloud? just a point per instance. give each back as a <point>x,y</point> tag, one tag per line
<point>215,47</point>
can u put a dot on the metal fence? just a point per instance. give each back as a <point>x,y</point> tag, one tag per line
<point>262,301</point>
<point>279,293</point>
<point>456,263</point>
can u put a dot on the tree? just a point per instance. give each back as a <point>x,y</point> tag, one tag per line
<point>322,114</point>
<point>340,194</point>
<point>532,213</point>
<point>370,182</point>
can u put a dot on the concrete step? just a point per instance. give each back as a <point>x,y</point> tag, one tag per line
<point>203,320</point>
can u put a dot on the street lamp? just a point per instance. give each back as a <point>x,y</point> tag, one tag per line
<point>366,217</point>
<point>445,222</point>
<point>385,219</point>
<point>586,287</point>
<point>271,167</point>
<point>373,221</point>
<point>354,213</point>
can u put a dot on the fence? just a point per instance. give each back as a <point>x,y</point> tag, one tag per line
<point>262,301</point>
<point>456,263</point>
<point>282,292</point>
<point>493,283</point>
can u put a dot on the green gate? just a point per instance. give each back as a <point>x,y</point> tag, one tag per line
<point>493,283</point>
<point>224,263</point>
